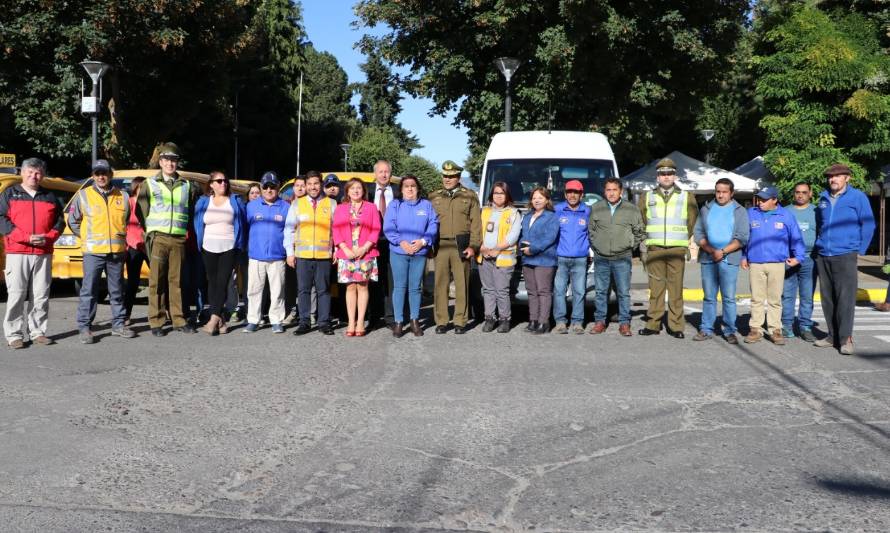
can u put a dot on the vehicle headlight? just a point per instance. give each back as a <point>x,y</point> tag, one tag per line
<point>66,240</point>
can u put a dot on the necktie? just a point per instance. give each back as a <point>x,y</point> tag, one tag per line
<point>381,201</point>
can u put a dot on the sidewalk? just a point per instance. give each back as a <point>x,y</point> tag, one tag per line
<point>872,282</point>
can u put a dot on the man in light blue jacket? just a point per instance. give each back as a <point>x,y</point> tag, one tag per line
<point>721,231</point>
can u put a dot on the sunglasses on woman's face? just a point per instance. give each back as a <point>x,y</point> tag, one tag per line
<point>220,181</point>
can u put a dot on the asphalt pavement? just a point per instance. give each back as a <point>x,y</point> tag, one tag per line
<point>480,432</point>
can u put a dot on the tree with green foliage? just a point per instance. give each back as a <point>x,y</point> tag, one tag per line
<point>735,112</point>
<point>177,69</point>
<point>636,70</point>
<point>372,144</point>
<point>823,78</point>
<point>328,116</point>
<point>155,55</point>
<point>380,96</point>
<point>427,174</point>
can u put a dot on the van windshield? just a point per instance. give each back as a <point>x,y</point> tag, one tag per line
<point>523,175</point>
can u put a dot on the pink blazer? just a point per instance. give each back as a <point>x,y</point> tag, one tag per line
<point>369,232</point>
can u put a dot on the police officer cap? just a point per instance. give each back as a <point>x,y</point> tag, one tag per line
<point>169,151</point>
<point>331,179</point>
<point>450,168</point>
<point>666,164</point>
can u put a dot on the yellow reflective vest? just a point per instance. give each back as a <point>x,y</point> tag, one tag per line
<point>313,238</point>
<point>507,256</point>
<point>666,221</point>
<point>103,229</point>
<point>168,209</point>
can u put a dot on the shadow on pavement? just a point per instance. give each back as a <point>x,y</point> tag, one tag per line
<point>877,436</point>
<point>857,487</point>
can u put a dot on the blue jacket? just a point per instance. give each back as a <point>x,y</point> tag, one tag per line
<point>266,233</point>
<point>409,221</point>
<point>573,238</point>
<point>740,232</point>
<point>542,238</point>
<point>237,209</point>
<point>846,227</point>
<point>774,236</point>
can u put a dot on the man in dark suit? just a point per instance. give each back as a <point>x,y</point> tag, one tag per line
<point>381,291</point>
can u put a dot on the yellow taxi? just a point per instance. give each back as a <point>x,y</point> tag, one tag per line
<point>68,257</point>
<point>63,189</point>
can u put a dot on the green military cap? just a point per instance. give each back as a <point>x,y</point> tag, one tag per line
<point>450,168</point>
<point>168,150</point>
<point>666,164</point>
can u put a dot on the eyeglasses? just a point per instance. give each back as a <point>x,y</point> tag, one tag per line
<point>499,192</point>
<point>220,181</point>
<point>267,186</point>
<point>668,173</point>
<point>572,191</point>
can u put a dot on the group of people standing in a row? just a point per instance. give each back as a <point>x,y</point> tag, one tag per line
<point>783,249</point>
<point>380,243</point>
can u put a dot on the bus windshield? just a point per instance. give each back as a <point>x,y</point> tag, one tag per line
<point>523,175</point>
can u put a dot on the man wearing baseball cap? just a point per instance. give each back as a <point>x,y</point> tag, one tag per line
<point>332,187</point>
<point>774,241</point>
<point>99,215</point>
<point>572,255</point>
<point>845,228</point>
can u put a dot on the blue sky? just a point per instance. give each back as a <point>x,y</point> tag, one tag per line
<point>328,25</point>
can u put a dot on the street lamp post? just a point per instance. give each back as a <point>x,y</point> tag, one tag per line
<point>708,135</point>
<point>345,148</point>
<point>507,66</point>
<point>89,105</point>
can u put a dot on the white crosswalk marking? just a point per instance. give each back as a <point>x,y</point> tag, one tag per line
<point>866,322</point>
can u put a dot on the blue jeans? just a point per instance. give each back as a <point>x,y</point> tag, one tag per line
<point>574,268</point>
<point>723,277</point>
<point>799,280</point>
<point>407,275</point>
<point>93,266</point>
<point>618,272</point>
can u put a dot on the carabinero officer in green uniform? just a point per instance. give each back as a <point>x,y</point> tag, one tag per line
<point>669,214</point>
<point>460,236</point>
<point>165,207</point>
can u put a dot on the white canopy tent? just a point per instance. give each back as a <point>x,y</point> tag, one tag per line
<point>757,171</point>
<point>692,175</point>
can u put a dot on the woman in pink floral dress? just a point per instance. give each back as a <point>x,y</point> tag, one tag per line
<point>356,230</point>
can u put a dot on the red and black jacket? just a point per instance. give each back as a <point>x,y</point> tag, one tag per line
<point>22,215</point>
